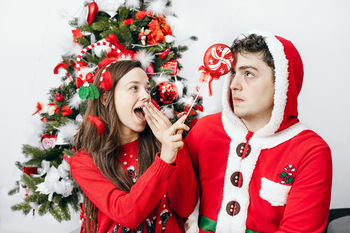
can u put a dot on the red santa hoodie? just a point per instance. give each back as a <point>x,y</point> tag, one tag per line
<point>277,179</point>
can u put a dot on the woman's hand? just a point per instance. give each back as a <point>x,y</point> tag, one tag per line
<point>169,135</point>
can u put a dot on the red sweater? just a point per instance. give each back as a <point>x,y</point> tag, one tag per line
<point>276,197</point>
<point>157,202</point>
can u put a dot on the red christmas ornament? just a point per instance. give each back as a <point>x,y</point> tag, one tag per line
<point>93,9</point>
<point>48,141</point>
<point>150,70</point>
<point>164,54</point>
<point>30,170</point>
<point>59,97</point>
<point>166,92</point>
<point>218,61</point>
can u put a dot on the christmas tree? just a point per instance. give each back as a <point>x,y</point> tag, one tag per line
<point>141,31</point>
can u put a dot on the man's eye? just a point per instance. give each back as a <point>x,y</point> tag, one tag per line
<point>249,75</point>
<point>233,73</point>
<point>134,88</point>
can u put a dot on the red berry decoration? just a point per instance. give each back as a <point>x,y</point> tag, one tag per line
<point>166,92</point>
<point>59,97</point>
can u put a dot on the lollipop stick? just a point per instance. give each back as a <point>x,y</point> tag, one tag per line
<point>203,84</point>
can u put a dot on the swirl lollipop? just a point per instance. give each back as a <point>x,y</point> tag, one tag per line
<point>218,60</point>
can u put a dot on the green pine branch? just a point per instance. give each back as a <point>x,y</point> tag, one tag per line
<point>39,155</point>
<point>24,206</point>
<point>44,208</point>
<point>15,189</point>
<point>123,13</point>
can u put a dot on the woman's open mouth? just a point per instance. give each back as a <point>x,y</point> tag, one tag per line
<point>139,114</point>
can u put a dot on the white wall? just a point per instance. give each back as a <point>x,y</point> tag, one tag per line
<point>33,37</point>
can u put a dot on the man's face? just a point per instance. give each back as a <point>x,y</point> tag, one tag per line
<point>252,87</point>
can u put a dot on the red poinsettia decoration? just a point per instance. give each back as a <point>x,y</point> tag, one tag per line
<point>159,29</point>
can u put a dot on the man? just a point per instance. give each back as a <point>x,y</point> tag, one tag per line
<point>259,168</point>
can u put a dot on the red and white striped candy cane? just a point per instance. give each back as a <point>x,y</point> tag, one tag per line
<point>82,52</point>
<point>105,69</point>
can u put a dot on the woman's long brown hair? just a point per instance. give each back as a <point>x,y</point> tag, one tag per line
<point>105,150</point>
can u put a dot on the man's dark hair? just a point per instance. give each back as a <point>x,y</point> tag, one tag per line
<point>254,44</point>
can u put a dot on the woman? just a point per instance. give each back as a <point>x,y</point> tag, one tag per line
<point>127,185</point>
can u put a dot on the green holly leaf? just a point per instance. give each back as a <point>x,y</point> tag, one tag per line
<point>91,94</point>
<point>283,175</point>
<point>289,180</point>
<point>94,92</point>
<point>83,92</point>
